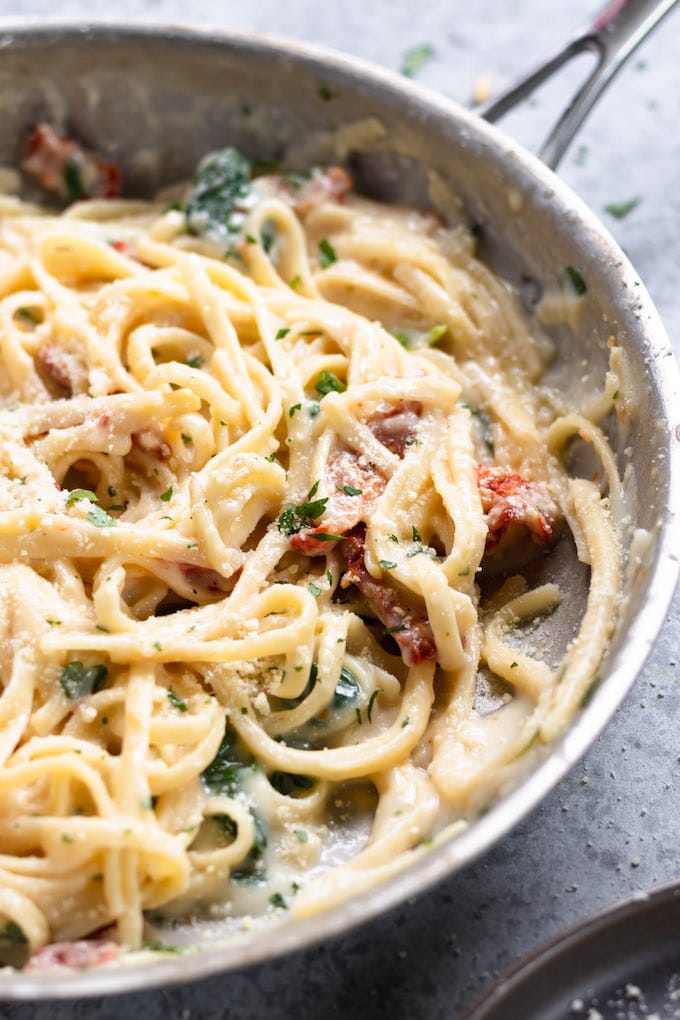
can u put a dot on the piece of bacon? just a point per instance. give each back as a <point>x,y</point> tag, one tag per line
<point>343,511</point>
<point>203,577</point>
<point>82,954</point>
<point>328,185</point>
<point>396,425</point>
<point>510,499</point>
<point>48,156</point>
<point>58,365</point>
<point>151,441</point>
<point>409,626</point>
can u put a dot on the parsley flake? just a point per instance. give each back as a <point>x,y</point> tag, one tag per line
<point>167,495</point>
<point>281,334</point>
<point>328,382</point>
<point>295,518</point>
<point>77,494</point>
<point>77,681</point>
<point>371,702</point>
<point>621,209</point>
<point>175,700</point>
<point>327,254</point>
<point>387,564</point>
<point>349,490</point>
<point>415,58</point>
<point>100,518</point>
<point>576,280</point>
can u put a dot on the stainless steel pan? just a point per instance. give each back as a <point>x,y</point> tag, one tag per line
<point>157,99</point>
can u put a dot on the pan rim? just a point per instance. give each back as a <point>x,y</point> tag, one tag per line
<point>624,665</point>
<point>569,939</point>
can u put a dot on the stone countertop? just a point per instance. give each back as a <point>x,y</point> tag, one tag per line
<point>610,828</point>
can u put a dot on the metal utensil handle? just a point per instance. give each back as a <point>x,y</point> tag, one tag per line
<point>615,33</point>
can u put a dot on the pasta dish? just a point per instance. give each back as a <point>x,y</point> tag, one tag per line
<point>279,484</point>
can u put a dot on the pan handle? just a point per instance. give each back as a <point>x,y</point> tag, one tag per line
<point>614,34</point>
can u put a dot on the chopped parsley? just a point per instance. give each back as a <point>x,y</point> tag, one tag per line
<point>73,179</point>
<point>413,339</point>
<point>167,495</point>
<point>222,774</point>
<point>328,382</point>
<point>576,280</point>
<point>196,361</point>
<point>77,494</point>
<point>387,564</point>
<point>220,195</point>
<point>187,440</point>
<point>277,900</point>
<point>295,282</point>
<point>175,700</point>
<point>404,722</point>
<point>621,209</point>
<point>293,409</point>
<point>271,456</point>
<point>295,518</point>
<point>77,681</point>
<point>314,589</point>
<point>325,93</point>
<point>513,665</point>
<point>301,835</point>
<point>415,58</point>
<point>371,702</point>
<point>100,518</point>
<point>424,549</point>
<point>282,333</point>
<point>415,534</point>
<point>347,689</point>
<point>327,254</point>
<point>349,490</point>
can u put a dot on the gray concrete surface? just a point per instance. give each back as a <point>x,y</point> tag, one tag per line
<point>612,827</point>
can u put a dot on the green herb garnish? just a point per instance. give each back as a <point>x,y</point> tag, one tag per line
<point>175,700</point>
<point>77,494</point>
<point>73,179</point>
<point>220,195</point>
<point>100,518</point>
<point>415,58</point>
<point>328,382</point>
<point>327,254</point>
<point>621,209</point>
<point>295,518</point>
<point>576,280</point>
<point>77,681</point>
